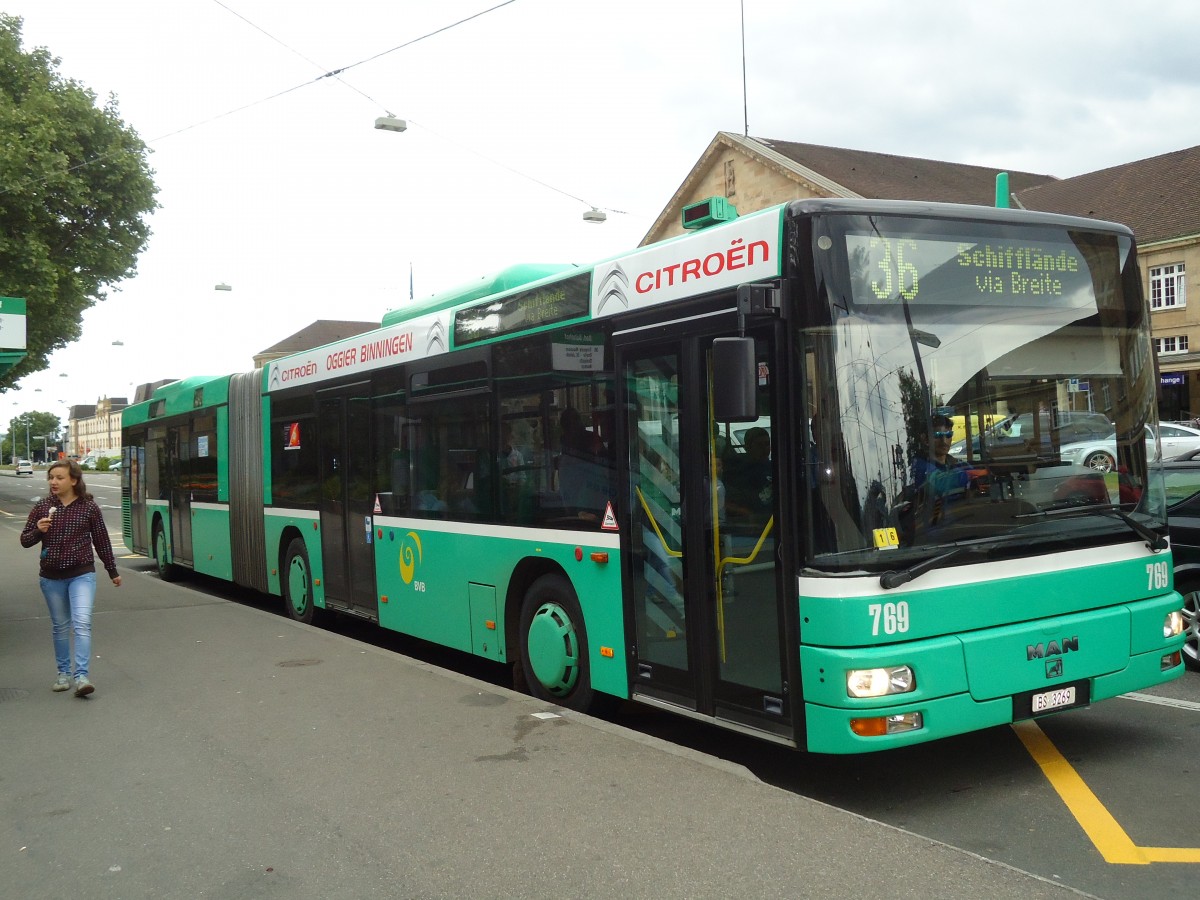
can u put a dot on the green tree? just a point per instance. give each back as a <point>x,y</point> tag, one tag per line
<point>75,192</point>
<point>34,426</point>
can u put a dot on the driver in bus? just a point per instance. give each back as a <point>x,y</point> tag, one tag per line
<point>938,479</point>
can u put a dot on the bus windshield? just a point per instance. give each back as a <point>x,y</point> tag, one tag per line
<point>988,385</point>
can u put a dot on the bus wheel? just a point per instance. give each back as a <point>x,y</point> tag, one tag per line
<point>166,571</point>
<point>297,583</point>
<point>554,657</point>
<point>1191,623</point>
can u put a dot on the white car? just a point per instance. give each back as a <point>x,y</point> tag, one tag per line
<point>24,467</point>
<point>1101,455</point>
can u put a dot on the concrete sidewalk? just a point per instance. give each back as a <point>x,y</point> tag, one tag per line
<point>232,753</point>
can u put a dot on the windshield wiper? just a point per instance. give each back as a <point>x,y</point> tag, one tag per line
<point>893,579</point>
<point>1153,539</point>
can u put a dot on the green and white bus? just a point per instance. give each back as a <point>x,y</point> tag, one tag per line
<point>705,475</point>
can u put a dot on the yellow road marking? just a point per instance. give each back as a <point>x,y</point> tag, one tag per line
<point>1105,833</point>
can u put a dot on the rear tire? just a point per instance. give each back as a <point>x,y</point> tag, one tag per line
<point>166,571</point>
<point>554,647</point>
<point>296,582</point>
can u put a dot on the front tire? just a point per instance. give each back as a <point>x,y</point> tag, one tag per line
<point>166,571</point>
<point>1100,461</point>
<point>297,583</point>
<point>554,648</point>
<point>1191,626</point>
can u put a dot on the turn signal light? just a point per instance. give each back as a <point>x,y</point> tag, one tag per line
<point>878,726</point>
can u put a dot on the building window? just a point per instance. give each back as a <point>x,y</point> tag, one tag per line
<point>1167,288</point>
<point>1174,344</point>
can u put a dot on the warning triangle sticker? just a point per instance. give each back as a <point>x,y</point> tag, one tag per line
<point>378,509</point>
<point>610,519</point>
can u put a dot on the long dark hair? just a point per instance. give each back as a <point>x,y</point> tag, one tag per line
<point>74,472</point>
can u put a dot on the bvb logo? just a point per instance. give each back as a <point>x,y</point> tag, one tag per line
<point>410,556</point>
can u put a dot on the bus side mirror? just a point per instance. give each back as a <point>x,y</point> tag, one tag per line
<point>735,374</point>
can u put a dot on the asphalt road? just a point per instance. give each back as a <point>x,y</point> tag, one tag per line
<point>1105,833</point>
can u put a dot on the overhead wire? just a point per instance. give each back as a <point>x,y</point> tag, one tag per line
<point>331,73</point>
<point>337,73</point>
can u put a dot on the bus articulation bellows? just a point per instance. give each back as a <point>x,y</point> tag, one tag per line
<point>711,474</point>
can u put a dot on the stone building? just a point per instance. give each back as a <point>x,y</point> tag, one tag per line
<point>95,430</point>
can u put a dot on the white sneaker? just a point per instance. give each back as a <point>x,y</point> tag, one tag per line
<point>83,687</point>
<point>61,683</point>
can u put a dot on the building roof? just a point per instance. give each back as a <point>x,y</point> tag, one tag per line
<point>886,176</point>
<point>839,172</point>
<point>319,333</point>
<point>1159,197</point>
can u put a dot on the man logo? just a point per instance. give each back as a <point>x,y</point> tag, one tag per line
<point>1054,648</point>
<point>1054,668</point>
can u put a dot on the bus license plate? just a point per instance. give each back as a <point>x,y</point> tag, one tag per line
<point>1053,699</point>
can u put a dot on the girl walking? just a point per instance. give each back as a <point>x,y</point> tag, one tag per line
<point>68,524</point>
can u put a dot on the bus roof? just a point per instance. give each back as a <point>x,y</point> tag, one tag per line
<point>496,283</point>
<point>178,397</point>
<point>919,208</point>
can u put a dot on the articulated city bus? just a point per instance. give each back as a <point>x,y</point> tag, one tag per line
<point>710,475</point>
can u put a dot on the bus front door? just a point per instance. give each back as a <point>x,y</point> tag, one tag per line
<point>347,541</point>
<point>705,593</point>
<point>180,441</point>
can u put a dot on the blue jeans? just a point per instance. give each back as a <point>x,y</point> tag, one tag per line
<point>70,601</point>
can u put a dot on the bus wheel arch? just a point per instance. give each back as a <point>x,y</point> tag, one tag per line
<point>553,644</point>
<point>296,580</point>
<point>167,570</point>
<point>524,574</point>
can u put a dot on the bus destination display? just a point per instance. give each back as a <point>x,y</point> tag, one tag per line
<point>559,302</point>
<point>933,271</point>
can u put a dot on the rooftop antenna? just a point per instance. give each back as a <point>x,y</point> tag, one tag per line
<point>1002,190</point>
<point>745,105</point>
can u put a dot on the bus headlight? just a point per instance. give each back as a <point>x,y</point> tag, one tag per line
<point>1173,624</point>
<point>880,682</point>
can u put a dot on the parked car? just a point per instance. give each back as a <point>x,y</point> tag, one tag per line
<point>1183,517</point>
<point>24,467</point>
<point>1101,454</point>
<point>1015,435</point>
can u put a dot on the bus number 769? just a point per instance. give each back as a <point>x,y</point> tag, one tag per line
<point>894,617</point>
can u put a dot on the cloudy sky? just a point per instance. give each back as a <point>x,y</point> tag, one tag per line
<point>525,117</point>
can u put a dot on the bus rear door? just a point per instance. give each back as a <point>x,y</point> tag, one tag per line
<point>347,542</point>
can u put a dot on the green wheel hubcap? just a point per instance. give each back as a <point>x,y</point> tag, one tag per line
<point>298,585</point>
<point>554,649</point>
